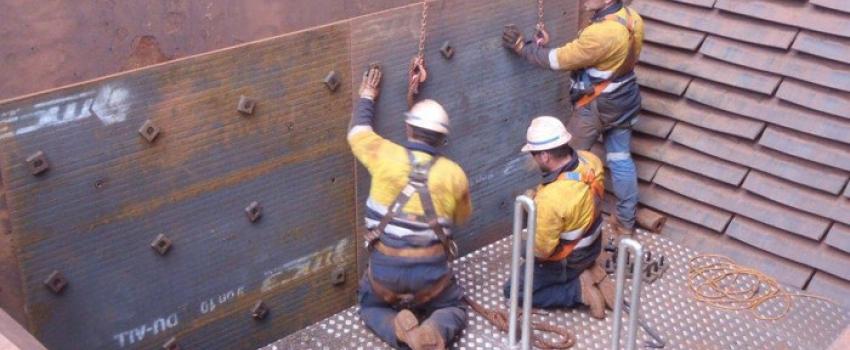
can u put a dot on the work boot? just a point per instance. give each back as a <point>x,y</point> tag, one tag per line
<point>591,296</point>
<point>617,229</point>
<point>426,337</point>
<point>404,324</point>
<point>604,284</point>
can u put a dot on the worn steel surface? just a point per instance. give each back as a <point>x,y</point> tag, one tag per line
<point>108,193</point>
<point>489,93</point>
<point>11,291</point>
<point>666,306</point>
<point>46,44</point>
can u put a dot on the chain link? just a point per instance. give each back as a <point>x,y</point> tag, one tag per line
<point>540,14</point>
<point>423,29</point>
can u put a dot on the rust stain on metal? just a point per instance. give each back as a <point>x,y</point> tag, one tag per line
<point>57,43</point>
<point>137,210</point>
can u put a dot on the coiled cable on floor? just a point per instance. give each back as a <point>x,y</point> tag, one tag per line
<point>499,318</point>
<point>721,283</point>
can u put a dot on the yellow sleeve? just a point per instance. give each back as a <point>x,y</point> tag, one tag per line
<point>549,224</point>
<point>587,50</point>
<point>464,203</point>
<point>368,147</point>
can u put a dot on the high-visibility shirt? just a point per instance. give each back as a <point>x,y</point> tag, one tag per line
<point>568,206</point>
<point>389,166</point>
<point>601,47</point>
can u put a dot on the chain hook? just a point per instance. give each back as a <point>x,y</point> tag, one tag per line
<point>541,36</point>
<point>417,74</point>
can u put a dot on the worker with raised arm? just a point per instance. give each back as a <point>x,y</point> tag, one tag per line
<point>605,93</point>
<point>408,295</point>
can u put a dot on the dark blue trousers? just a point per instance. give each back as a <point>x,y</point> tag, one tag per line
<point>447,311</point>
<point>556,283</point>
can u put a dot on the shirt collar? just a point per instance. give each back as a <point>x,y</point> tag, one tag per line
<point>611,9</point>
<point>551,176</point>
<point>421,147</point>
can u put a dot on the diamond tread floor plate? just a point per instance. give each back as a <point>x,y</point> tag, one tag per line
<point>666,305</point>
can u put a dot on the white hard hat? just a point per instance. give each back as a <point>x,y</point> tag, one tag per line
<point>546,133</point>
<point>428,115</point>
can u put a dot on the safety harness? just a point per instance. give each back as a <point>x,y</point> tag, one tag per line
<point>417,183</point>
<point>585,236</point>
<point>625,68</point>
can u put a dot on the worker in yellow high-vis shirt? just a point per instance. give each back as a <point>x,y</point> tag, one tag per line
<point>568,238</point>
<point>605,92</point>
<point>416,196</point>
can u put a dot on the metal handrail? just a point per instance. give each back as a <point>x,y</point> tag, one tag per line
<point>526,203</point>
<point>634,301</point>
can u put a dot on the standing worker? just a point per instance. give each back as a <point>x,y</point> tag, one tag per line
<point>568,238</point>
<point>605,92</point>
<point>415,197</point>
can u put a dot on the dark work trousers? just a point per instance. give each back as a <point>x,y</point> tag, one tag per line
<point>556,283</point>
<point>446,311</point>
<point>612,115</point>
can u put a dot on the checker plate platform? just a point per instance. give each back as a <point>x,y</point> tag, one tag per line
<point>666,305</point>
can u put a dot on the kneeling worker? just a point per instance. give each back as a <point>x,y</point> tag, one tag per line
<point>569,224</point>
<point>416,195</point>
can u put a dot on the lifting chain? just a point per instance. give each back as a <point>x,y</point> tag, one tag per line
<point>541,36</point>
<point>417,73</point>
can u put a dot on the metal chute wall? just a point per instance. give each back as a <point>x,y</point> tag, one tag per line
<point>108,192</point>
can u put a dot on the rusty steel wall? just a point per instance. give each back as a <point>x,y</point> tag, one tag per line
<point>47,44</point>
<point>108,193</point>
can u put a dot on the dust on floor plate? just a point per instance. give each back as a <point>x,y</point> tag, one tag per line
<point>666,305</point>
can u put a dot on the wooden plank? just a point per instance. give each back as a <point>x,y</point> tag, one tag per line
<point>707,242</point>
<point>807,147</point>
<point>683,207</point>
<point>815,97</point>
<point>814,70</point>
<point>109,193</point>
<point>686,158</point>
<point>655,125</point>
<point>700,115</point>
<point>662,80</point>
<point>718,23</point>
<point>799,14</point>
<point>839,237</point>
<point>747,154</point>
<point>673,36</point>
<point>798,197</point>
<point>792,247</point>
<point>710,69</point>
<point>769,110</point>
<point>831,287</point>
<point>840,5</point>
<point>728,198</point>
<point>823,45</point>
<point>646,168</point>
<point>701,3</point>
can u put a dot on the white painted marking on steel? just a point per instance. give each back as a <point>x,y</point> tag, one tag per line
<point>109,104</point>
<point>304,265</point>
<point>137,334</point>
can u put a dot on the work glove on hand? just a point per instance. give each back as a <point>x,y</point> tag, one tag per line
<point>370,86</point>
<point>512,39</point>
